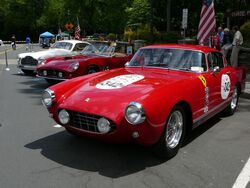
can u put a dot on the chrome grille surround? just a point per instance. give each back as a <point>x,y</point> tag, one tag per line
<point>28,60</point>
<point>87,122</point>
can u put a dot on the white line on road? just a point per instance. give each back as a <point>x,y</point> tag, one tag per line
<point>57,126</point>
<point>244,176</point>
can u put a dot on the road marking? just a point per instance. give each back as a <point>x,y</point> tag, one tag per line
<point>244,177</point>
<point>57,126</point>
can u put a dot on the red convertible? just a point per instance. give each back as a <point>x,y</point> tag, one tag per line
<point>90,61</point>
<point>164,92</point>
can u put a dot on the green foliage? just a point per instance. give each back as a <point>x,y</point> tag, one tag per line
<point>245,30</point>
<point>111,36</point>
<point>129,35</point>
<point>171,37</point>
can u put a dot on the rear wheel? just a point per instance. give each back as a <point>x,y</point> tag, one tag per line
<point>173,135</point>
<point>231,108</point>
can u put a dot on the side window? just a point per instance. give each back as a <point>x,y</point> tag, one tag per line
<point>215,60</point>
<point>79,46</point>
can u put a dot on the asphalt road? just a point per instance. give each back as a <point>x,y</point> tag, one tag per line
<point>36,153</point>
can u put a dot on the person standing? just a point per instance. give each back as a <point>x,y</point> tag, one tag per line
<point>13,42</point>
<point>237,42</point>
<point>221,34</point>
<point>227,42</point>
<point>28,40</point>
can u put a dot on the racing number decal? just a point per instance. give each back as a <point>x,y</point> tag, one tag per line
<point>206,93</point>
<point>203,80</point>
<point>119,81</point>
<point>225,86</point>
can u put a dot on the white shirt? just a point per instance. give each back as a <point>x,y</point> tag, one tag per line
<point>238,39</point>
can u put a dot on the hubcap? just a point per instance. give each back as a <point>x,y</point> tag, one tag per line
<point>174,129</point>
<point>234,99</point>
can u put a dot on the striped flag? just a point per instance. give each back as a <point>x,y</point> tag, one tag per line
<point>207,23</point>
<point>78,31</point>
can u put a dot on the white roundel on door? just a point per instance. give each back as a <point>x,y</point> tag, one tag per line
<point>225,86</point>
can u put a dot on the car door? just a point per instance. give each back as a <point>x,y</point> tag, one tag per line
<point>219,80</point>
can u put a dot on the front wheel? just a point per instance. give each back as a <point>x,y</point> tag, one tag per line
<point>173,135</point>
<point>231,108</point>
<point>28,72</point>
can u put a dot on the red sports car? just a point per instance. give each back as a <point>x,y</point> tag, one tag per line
<point>91,60</point>
<point>164,92</point>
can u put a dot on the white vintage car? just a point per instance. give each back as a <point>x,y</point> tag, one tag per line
<point>27,62</point>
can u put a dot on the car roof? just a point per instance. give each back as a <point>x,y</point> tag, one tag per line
<point>194,47</point>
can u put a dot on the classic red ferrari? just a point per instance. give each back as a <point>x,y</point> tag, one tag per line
<point>163,93</point>
<point>90,61</point>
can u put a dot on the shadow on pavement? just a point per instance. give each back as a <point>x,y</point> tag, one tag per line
<point>109,160</point>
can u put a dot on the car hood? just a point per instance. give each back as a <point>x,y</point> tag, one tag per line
<point>111,91</point>
<point>45,53</point>
<point>63,63</point>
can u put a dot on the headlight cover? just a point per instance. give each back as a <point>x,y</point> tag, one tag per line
<point>103,125</point>
<point>40,61</point>
<point>134,113</point>
<point>48,97</point>
<point>63,116</point>
<point>74,66</point>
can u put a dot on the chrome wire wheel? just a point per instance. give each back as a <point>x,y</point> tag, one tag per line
<point>234,99</point>
<point>174,129</point>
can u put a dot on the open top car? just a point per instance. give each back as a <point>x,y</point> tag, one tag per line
<point>27,62</point>
<point>164,92</point>
<point>91,60</point>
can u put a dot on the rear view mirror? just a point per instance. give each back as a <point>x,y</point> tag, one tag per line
<point>216,69</point>
<point>127,64</point>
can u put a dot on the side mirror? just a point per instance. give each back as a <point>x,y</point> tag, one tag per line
<point>126,64</point>
<point>216,69</point>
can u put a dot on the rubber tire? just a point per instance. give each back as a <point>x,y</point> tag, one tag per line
<point>228,110</point>
<point>91,70</point>
<point>160,148</point>
<point>28,72</point>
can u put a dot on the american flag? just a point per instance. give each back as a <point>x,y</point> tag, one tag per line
<point>207,23</point>
<point>78,31</point>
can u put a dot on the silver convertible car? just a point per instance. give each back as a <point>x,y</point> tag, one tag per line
<point>27,62</point>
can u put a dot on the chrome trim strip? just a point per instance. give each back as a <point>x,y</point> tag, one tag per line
<point>49,78</point>
<point>210,111</point>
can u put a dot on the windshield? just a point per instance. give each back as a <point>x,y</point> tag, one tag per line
<point>94,49</point>
<point>62,45</point>
<point>170,58</point>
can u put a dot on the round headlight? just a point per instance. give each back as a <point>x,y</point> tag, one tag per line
<point>134,113</point>
<point>74,66</point>
<point>47,97</point>
<point>63,117</point>
<point>40,61</point>
<point>103,125</point>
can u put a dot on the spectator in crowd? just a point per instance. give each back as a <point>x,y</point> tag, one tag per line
<point>227,42</point>
<point>214,41</point>
<point>237,42</point>
<point>13,42</point>
<point>220,33</point>
<point>28,41</point>
<point>1,42</point>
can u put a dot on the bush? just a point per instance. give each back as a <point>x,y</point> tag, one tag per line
<point>170,37</point>
<point>111,36</point>
<point>245,30</point>
<point>129,35</point>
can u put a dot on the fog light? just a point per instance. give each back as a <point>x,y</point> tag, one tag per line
<point>63,117</point>
<point>60,74</point>
<point>45,73</point>
<point>135,135</point>
<point>103,125</point>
